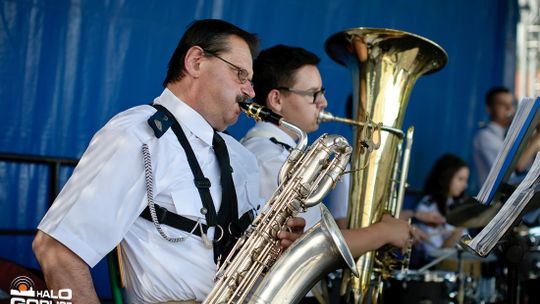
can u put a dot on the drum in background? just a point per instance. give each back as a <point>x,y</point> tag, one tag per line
<point>529,268</point>
<point>530,265</point>
<point>428,287</point>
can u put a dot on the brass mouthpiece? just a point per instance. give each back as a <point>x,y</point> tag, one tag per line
<point>327,116</point>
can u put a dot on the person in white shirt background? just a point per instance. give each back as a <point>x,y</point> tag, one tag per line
<point>102,204</point>
<point>488,141</point>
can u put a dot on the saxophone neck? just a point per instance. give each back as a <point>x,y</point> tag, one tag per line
<point>258,112</point>
<point>302,136</point>
<point>296,152</point>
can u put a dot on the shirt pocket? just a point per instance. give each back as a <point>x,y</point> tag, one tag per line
<point>187,201</point>
<point>248,196</point>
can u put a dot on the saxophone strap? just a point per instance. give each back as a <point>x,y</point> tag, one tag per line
<point>270,135</point>
<point>277,142</point>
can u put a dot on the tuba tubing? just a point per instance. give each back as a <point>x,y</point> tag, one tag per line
<point>325,116</point>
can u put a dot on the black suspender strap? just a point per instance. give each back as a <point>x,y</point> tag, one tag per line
<point>177,221</point>
<point>174,220</point>
<point>201,182</point>
<point>159,123</point>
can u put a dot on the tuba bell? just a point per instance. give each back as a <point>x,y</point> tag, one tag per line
<point>384,64</point>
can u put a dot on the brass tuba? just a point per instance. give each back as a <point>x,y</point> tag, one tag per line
<point>384,64</point>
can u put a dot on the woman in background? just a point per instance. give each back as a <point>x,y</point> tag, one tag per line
<point>444,187</point>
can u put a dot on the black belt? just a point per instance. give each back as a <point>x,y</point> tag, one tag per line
<point>177,221</point>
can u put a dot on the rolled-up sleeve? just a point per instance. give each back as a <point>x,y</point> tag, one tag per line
<point>102,198</point>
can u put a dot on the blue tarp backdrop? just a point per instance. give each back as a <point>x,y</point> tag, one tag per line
<point>67,66</point>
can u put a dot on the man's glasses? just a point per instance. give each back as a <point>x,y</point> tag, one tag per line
<point>315,94</point>
<point>243,74</point>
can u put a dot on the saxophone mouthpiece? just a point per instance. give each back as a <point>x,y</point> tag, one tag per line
<point>258,112</point>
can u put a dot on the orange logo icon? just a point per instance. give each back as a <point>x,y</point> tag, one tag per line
<point>22,286</point>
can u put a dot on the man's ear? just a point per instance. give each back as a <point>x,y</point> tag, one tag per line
<point>192,61</point>
<point>274,101</point>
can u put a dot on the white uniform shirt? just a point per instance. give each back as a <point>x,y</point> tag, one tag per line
<point>487,144</point>
<point>271,157</point>
<point>100,205</point>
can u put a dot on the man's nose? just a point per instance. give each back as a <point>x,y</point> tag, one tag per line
<point>510,110</point>
<point>248,90</point>
<point>322,103</point>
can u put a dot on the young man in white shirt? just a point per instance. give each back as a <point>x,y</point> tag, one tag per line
<point>287,81</point>
<point>489,140</point>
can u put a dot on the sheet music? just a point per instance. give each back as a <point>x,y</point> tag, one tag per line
<point>484,242</point>
<point>523,125</point>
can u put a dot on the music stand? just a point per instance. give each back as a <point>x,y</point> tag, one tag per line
<point>498,232</point>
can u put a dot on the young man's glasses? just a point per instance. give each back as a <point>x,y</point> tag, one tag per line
<point>315,94</point>
<point>243,75</point>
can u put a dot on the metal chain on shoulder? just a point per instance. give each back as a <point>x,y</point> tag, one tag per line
<point>149,182</point>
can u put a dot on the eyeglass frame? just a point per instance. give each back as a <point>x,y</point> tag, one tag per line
<point>241,73</point>
<point>315,94</point>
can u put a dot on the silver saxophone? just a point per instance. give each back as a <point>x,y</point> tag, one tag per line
<point>256,270</point>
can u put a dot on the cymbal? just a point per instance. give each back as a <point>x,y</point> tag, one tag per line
<point>472,214</point>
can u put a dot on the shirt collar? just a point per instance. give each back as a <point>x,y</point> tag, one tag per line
<point>186,116</point>
<point>266,129</point>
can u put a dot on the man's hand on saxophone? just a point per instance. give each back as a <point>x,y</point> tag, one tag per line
<point>296,229</point>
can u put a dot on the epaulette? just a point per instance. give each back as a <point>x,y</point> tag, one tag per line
<point>160,123</point>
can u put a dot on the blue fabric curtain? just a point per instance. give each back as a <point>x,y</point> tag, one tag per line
<point>67,66</point>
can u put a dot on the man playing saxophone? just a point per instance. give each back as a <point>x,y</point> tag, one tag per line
<point>287,80</point>
<point>163,181</point>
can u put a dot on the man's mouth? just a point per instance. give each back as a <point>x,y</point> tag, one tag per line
<point>242,98</point>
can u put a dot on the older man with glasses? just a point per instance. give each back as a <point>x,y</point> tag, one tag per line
<point>159,181</point>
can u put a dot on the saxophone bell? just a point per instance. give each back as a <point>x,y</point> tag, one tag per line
<point>319,251</point>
